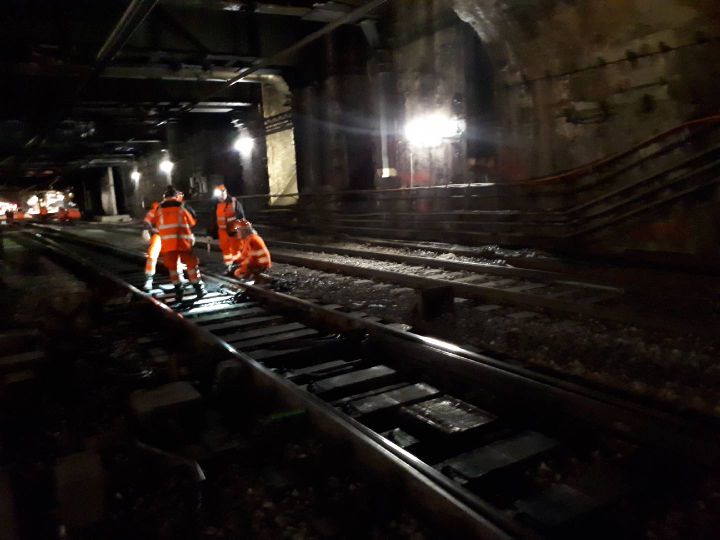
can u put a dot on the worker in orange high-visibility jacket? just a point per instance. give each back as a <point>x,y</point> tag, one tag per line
<point>227,212</point>
<point>73,213</point>
<point>152,237</point>
<point>254,256</point>
<point>43,213</point>
<point>174,221</point>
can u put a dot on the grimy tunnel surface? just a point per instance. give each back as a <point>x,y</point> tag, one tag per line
<point>406,269</point>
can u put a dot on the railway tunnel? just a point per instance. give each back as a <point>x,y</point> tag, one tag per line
<point>470,289</point>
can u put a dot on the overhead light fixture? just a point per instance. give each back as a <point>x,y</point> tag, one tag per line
<point>135,175</point>
<point>166,166</point>
<point>431,130</point>
<point>244,145</point>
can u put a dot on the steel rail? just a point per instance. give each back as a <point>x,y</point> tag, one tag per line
<point>431,490</point>
<point>487,293</point>
<point>692,436</point>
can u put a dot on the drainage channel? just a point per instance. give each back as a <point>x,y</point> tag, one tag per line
<point>520,454</point>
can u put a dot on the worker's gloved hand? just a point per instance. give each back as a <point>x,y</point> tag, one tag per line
<point>146,236</point>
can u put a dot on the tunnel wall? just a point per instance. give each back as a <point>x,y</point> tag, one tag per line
<point>577,81</point>
<point>544,86</point>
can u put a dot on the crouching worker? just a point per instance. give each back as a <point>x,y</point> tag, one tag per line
<point>174,221</point>
<point>254,254</point>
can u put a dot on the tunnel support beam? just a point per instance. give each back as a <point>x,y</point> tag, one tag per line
<point>107,193</point>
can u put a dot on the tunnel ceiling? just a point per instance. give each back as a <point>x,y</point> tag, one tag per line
<point>96,82</point>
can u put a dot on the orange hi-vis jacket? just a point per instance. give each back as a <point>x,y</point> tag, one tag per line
<point>226,213</point>
<point>150,216</point>
<point>174,221</point>
<point>255,255</point>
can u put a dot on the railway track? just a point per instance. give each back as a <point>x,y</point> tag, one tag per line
<point>646,307</point>
<point>669,365</point>
<point>652,302</point>
<point>492,447</point>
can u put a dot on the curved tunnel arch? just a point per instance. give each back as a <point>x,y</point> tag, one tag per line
<point>577,81</point>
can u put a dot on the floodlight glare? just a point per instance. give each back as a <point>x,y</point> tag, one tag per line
<point>135,175</point>
<point>166,166</point>
<point>430,130</point>
<point>244,145</point>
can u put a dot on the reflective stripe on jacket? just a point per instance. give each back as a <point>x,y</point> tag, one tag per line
<point>255,253</point>
<point>228,212</point>
<point>174,222</point>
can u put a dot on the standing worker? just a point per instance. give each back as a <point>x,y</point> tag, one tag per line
<point>174,221</point>
<point>255,256</point>
<point>10,216</point>
<point>152,237</point>
<point>227,212</point>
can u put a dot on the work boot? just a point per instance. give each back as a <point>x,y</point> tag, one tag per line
<point>178,293</point>
<point>200,289</point>
<point>148,285</point>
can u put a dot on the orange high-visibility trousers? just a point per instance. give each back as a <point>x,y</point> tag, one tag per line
<point>229,245</point>
<point>171,259</point>
<point>152,255</point>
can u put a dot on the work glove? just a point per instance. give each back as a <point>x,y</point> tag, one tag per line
<point>146,236</point>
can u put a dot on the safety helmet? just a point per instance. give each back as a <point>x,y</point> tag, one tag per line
<point>244,227</point>
<point>170,192</point>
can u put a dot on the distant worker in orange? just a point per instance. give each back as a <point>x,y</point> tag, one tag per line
<point>43,213</point>
<point>227,211</point>
<point>69,213</point>
<point>73,213</point>
<point>254,255</point>
<point>174,221</point>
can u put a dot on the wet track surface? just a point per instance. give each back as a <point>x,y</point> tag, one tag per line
<point>543,466</point>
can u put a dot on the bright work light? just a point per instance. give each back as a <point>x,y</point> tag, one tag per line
<point>166,166</point>
<point>244,145</point>
<point>429,131</point>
